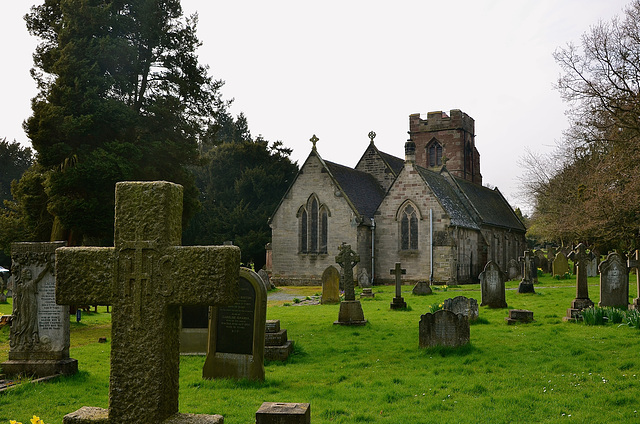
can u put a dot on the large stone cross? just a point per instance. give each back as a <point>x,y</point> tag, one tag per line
<point>146,276</point>
<point>398,271</point>
<point>347,259</point>
<point>580,258</point>
<point>528,270</point>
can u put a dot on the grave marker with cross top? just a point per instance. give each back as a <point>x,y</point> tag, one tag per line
<point>634,263</point>
<point>398,301</point>
<point>146,277</point>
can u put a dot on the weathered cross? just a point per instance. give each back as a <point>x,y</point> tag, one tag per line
<point>527,266</point>
<point>314,140</point>
<point>398,271</point>
<point>347,259</point>
<point>634,263</point>
<point>581,258</point>
<point>146,276</point>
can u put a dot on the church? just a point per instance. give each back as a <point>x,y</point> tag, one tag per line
<point>428,211</point>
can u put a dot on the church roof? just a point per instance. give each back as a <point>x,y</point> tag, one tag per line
<point>453,203</point>
<point>361,188</point>
<point>395,163</point>
<point>490,205</point>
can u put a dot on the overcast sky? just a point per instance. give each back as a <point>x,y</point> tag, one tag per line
<point>339,69</point>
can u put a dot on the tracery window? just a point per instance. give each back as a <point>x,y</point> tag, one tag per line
<point>435,154</point>
<point>313,226</point>
<point>409,228</point>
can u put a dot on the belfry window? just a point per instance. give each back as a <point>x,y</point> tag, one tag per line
<point>409,229</point>
<point>313,226</point>
<point>435,154</point>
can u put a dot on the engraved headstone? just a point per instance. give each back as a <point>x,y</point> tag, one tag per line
<point>614,282</point>
<point>560,264</point>
<point>330,285</point>
<point>363,279</point>
<point>277,346</point>
<point>462,305</point>
<point>492,286</point>
<point>592,267</point>
<point>422,288</point>
<point>146,277</point>
<point>236,333</point>
<point>513,269</point>
<point>443,328</point>
<point>39,335</point>
<point>350,309</point>
<point>398,301</point>
<point>519,316</point>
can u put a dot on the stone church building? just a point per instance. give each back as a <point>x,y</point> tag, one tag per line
<point>428,211</point>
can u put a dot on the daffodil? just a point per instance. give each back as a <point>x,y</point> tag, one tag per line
<point>36,420</point>
<point>14,422</point>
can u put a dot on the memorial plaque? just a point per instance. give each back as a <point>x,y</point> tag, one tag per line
<point>234,326</point>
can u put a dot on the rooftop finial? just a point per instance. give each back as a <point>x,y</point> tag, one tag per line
<point>314,140</point>
<point>372,135</point>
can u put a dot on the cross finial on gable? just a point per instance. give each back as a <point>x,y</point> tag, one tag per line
<point>372,135</point>
<point>314,140</point>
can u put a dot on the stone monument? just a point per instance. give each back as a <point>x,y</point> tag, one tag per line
<point>560,264</point>
<point>237,333</point>
<point>492,286</point>
<point>277,346</point>
<point>330,285</point>
<point>283,413</point>
<point>614,282</point>
<point>146,277</point>
<point>634,263</point>
<point>398,301</point>
<point>580,257</point>
<point>513,270</point>
<point>466,306</point>
<point>528,268</point>
<point>443,328</point>
<point>39,335</point>
<point>363,279</point>
<point>350,309</point>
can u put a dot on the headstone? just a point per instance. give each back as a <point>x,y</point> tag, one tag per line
<point>492,286</point>
<point>194,330</point>
<point>422,288</point>
<point>443,328</point>
<point>614,282</point>
<point>560,264</point>
<point>39,335</point>
<point>236,333</point>
<point>330,285</point>
<point>146,277</point>
<point>350,309</point>
<point>592,267</point>
<point>367,292</point>
<point>542,260</point>
<point>634,263</point>
<point>519,316</point>
<point>462,305</point>
<point>528,268</point>
<point>551,255</point>
<point>283,413</point>
<point>513,270</point>
<point>265,278</point>
<point>277,346</point>
<point>363,279</point>
<point>398,301</point>
<point>580,257</point>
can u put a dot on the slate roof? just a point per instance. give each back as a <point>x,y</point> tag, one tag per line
<point>361,188</point>
<point>460,212</point>
<point>396,164</point>
<point>490,205</point>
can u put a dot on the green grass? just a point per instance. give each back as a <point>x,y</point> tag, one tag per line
<point>547,371</point>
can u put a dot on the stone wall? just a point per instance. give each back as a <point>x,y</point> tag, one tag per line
<point>372,163</point>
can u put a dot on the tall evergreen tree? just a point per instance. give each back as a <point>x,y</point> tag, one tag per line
<point>121,97</point>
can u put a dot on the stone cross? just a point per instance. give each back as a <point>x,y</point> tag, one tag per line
<point>634,263</point>
<point>372,135</point>
<point>146,277</point>
<point>314,140</point>
<point>580,258</point>
<point>347,259</point>
<point>398,271</point>
<point>528,268</point>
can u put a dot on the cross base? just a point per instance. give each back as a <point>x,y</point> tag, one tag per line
<point>40,367</point>
<point>525,287</point>
<point>398,303</point>
<point>366,292</point>
<point>93,415</point>
<point>350,313</point>
<point>581,303</point>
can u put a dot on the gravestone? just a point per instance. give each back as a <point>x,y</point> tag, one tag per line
<point>634,263</point>
<point>492,286</point>
<point>277,346</point>
<point>542,261</point>
<point>462,305</point>
<point>330,285</point>
<point>614,282</point>
<point>367,292</point>
<point>363,279</point>
<point>592,267</point>
<point>237,333</point>
<point>398,301</point>
<point>146,277</point>
<point>580,257</point>
<point>39,334</point>
<point>422,288</point>
<point>443,328</point>
<point>265,278</point>
<point>513,269</point>
<point>519,316</point>
<point>283,413</point>
<point>350,309</point>
<point>527,262</point>
<point>551,255</point>
<point>194,330</point>
<point>560,264</point>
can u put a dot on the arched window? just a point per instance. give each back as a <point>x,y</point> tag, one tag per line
<point>409,229</point>
<point>435,153</point>
<point>313,226</point>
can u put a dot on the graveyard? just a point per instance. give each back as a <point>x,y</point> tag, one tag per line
<point>548,370</point>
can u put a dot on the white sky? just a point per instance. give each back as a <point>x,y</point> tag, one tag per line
<point>339,69</point>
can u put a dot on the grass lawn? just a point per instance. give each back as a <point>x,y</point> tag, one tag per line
<point>546,371</point>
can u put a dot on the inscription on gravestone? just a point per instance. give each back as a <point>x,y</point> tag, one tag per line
<point>234,333</point>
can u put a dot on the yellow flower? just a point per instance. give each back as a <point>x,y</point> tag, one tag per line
<point>14,422</point>
<point>36,420</point>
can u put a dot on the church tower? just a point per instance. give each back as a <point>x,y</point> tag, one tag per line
<point>449,140</point>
